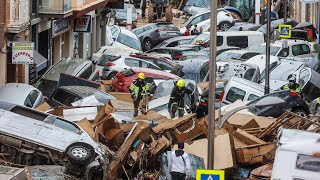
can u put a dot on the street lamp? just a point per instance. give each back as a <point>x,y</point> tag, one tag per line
<point>266,101</point>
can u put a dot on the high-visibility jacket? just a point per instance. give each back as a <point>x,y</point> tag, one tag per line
<point>297,90</point>
<point>138,88</point>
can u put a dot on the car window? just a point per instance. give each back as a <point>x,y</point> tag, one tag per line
<point>184,41</point>
<point>173,44</point>
<point>238,41</point>
<point>115,32</point>
<point>249,74</point>
<point>66,125</point>
<point>87,73</point>
<point>284,52</point>
<point>305,49</point>
<point>205,16</point>
<point>131,62</point>
<point>104,59</point>
<point>147,28</point>
<point>252,97</point>
<point>250,55</point>
<point>164,66</point>
<point>31,98</point>
<point>65,98</point>
<point>308,162</point>
<point>235,94</point>
<point>219,40</point>
<point>203,72</point>
<point>129,41</point>
<point>195,20</point>
<point>138,31</point>
<point>300,49</point>
<point>304,76</point>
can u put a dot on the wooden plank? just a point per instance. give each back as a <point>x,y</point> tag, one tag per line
<point>126,97</point>
<point>87,127</point>
<point>255,154</point>
<point>247,138</point>
<point>43,107</point>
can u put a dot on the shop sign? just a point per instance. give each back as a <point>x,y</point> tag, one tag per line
<point>83,24</point>
<point>59,26</point>
<point>22,52</point>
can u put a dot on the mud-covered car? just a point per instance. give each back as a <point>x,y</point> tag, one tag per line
<point>31,137</point>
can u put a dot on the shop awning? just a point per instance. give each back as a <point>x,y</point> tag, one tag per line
<point>39,60</point>
<point>78,12</point>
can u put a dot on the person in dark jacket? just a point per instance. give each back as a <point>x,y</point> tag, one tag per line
<point>176,101</point>
<point>195,30</point>
<point>138,89</point>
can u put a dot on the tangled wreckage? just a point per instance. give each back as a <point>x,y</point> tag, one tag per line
<point>104,142</point>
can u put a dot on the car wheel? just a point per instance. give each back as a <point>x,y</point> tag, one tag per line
<point>300,112</point>
<point>147,44</point>
<point>80,154</point>
<point>224,26</point>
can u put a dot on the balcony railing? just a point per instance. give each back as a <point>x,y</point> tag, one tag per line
<point>18,12</point>
<point>55,6</point>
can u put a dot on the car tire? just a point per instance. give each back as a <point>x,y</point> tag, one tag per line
<point>300,112</point>
<point>169,14</point>
<point>80,153</point>
<point>224,26</point>
<point>147,44</point>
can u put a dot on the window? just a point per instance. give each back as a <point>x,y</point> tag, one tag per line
<point>235,94</point>
<point>31,98</point>
<point>300,49</point>
<point>249,74</point>
<point>203,72</point>
<point>131,62</point>
<point>284,52</point>
<point>138,31</point>
<point>252,97</point>
<point>219,40</point>
<point>304,76</point>
<point>104,59</point>
<point>205,16</point>
<point>173,44</point>
<point>114,32</point>
<point>308,162</point>
<point>195,21</point>
<point>129,41</point>
<point>184,41</point>
<point>65,98</point>
<point>164,66</point>
<point>147,28</point>
<point>238,41</point>
<point>87,73</point>
<point>66,125</point>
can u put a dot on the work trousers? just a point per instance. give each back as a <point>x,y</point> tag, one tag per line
<point>178,176</point>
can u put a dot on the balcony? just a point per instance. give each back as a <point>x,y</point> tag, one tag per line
<point>55,8</point>
<point>18,15</point>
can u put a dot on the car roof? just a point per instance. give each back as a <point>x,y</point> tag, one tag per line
<point>82,91</point>
<point>279,43</point>
<point>153,71</point>
<point>192,65</point>
<point>15,93</point>
<point>240,51</point>
<point>235,33</point>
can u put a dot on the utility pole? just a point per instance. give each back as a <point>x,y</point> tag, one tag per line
<point>212,82</point>
<point>267,81</point>
<point>285,11</point>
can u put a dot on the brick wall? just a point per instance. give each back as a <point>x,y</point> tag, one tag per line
<point>1,23</point>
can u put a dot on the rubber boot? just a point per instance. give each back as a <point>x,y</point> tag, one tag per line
<point>135,112</point>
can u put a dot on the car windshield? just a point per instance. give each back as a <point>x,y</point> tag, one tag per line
<point>201,37</point>
<point>104,59</point>
<point>199,3</point>
<point>66,66</point>
<point>129,41</point>
<point>273,50</point>
<point>228,55</point>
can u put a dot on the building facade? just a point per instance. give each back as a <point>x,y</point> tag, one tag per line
<point>58,28</point>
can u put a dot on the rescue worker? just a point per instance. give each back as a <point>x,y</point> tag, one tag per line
<point>292,85</point>
<point>179,164</point>
<point>176,101</point>
<point>138,89</point>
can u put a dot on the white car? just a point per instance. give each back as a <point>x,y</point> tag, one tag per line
<point>224,20</point>
<point>21,94</point>
<point>120,63</point>
<point>296,48</point>
<point>120,38</point>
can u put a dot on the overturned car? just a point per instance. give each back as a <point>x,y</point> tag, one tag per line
<point>30,137</point>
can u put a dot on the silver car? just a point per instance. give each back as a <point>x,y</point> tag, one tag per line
<point>32,137</point>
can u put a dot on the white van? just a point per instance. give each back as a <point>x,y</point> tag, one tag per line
<point>293,161</point>
<point>241,89</point>
<point>241,39</point>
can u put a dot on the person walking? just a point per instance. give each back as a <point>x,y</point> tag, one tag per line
<point>187,32</point>
<point>138,89</point>
<point>176,101</point>
<point>143,6</point>
<point>195,30</point>
<point>179,164</point>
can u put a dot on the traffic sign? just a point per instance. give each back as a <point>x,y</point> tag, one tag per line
<point>285,30</point>
<point>205,174</point>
